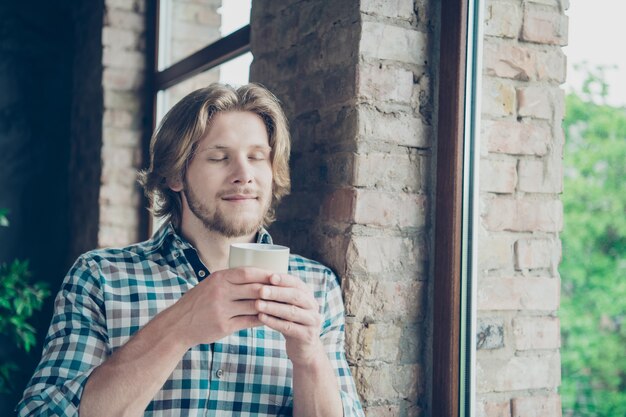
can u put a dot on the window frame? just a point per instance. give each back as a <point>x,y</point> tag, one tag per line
<point>452,368</point>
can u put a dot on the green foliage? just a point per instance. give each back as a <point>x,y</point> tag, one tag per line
<point>4,221</point>
<point>19,299</point>
<point>593,304</point>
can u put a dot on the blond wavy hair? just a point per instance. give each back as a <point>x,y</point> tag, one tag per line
<point>174,143</point>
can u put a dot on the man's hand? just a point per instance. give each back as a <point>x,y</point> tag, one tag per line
<point>288,306</point>
<point>220,305</point>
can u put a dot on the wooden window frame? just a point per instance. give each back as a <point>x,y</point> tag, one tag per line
<point>448,376</point>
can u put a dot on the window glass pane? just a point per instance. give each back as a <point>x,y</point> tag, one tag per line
<point>234,72</point>
<point>186,27</point>
<point>235,15</point>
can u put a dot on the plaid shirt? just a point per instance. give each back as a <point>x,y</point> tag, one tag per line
<point>109,294</point>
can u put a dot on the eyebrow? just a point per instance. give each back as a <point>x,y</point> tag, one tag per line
<point>224,147</point>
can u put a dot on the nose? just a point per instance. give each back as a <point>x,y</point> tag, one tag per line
<point>242,172</point>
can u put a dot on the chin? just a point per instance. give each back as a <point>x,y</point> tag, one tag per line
<point>238,227</point>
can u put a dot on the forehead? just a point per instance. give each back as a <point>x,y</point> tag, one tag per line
<point>235,129</point>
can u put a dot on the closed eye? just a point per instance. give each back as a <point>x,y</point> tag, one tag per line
<point>258,156</point>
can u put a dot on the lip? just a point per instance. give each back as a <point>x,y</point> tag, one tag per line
<point>239,197</point>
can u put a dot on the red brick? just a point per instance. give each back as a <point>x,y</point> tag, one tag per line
<point>547,26</point>
<point>371,300</point>
<point>496,374</point>
<point>402,9</point>
<point>390,209</point>
<point>551,66</point>
<point>537,406</point>
<point>520,293</point>
<point>522,215</point>
<point>391,410</point>
<point>534,101</point>
<point>393,172</point>
<point>508,60</point>
<point>390,42</point>
<point>399,127</point>
<point>536,333</point>
<point>493,409</point>
<point>498,176</point>
<point>385,254</point>
<point>542,175</point>
<point>498,98</point>
<point>125,19</point>
<point>384,381</point>
<point>516,138</point>
<point>537,253</point>
<point>502,19</point>
<point>384,83</point>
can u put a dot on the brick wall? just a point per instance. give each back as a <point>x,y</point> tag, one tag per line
<point>518,362</point>
<point>356,82</point>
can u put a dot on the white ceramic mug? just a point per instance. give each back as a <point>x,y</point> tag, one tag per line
<point>273,258</point>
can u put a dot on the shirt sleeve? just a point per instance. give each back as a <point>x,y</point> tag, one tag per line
<point>75,345</point>
<point>333,338</point>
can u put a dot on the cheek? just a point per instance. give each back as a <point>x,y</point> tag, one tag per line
<point>267,175</point>
<point>206,179</point>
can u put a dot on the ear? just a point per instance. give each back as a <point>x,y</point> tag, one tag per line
<point>175,185</point>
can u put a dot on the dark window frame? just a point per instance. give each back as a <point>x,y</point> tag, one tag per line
<point>447,322</point>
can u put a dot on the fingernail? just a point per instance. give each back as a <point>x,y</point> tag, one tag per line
<point>266,292</point>
<point>276,279</point>
<point>262,304</point>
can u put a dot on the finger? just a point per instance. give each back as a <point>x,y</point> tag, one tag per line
<point>247,275</point>
<point>289,312</point>
<point>286,280</point>
<point>289,295</point>
<point>287,328</point>
<point>244,291</point>
<point>243,308</point>
<point>245,322</point>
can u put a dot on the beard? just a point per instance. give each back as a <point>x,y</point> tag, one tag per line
<point>227,223</point>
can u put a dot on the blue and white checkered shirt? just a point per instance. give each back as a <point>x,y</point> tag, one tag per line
<point>109,294</point>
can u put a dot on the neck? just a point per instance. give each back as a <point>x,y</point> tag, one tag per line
<point>213,248</point>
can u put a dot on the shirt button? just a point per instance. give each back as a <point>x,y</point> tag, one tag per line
<point>201,273</point>
<point>219,374</point>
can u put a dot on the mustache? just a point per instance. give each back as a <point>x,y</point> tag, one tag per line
<point>242,191</point>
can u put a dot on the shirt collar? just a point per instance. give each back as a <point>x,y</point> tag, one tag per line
<point>167,234</point>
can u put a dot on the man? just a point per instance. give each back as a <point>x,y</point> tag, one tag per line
<point>163,327</point>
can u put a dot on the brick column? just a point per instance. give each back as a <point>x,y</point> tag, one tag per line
<point>355,79</point>
<point>518,362</point>
<point>123,79</point>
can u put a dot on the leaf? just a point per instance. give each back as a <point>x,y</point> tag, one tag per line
<point>4,221</point>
